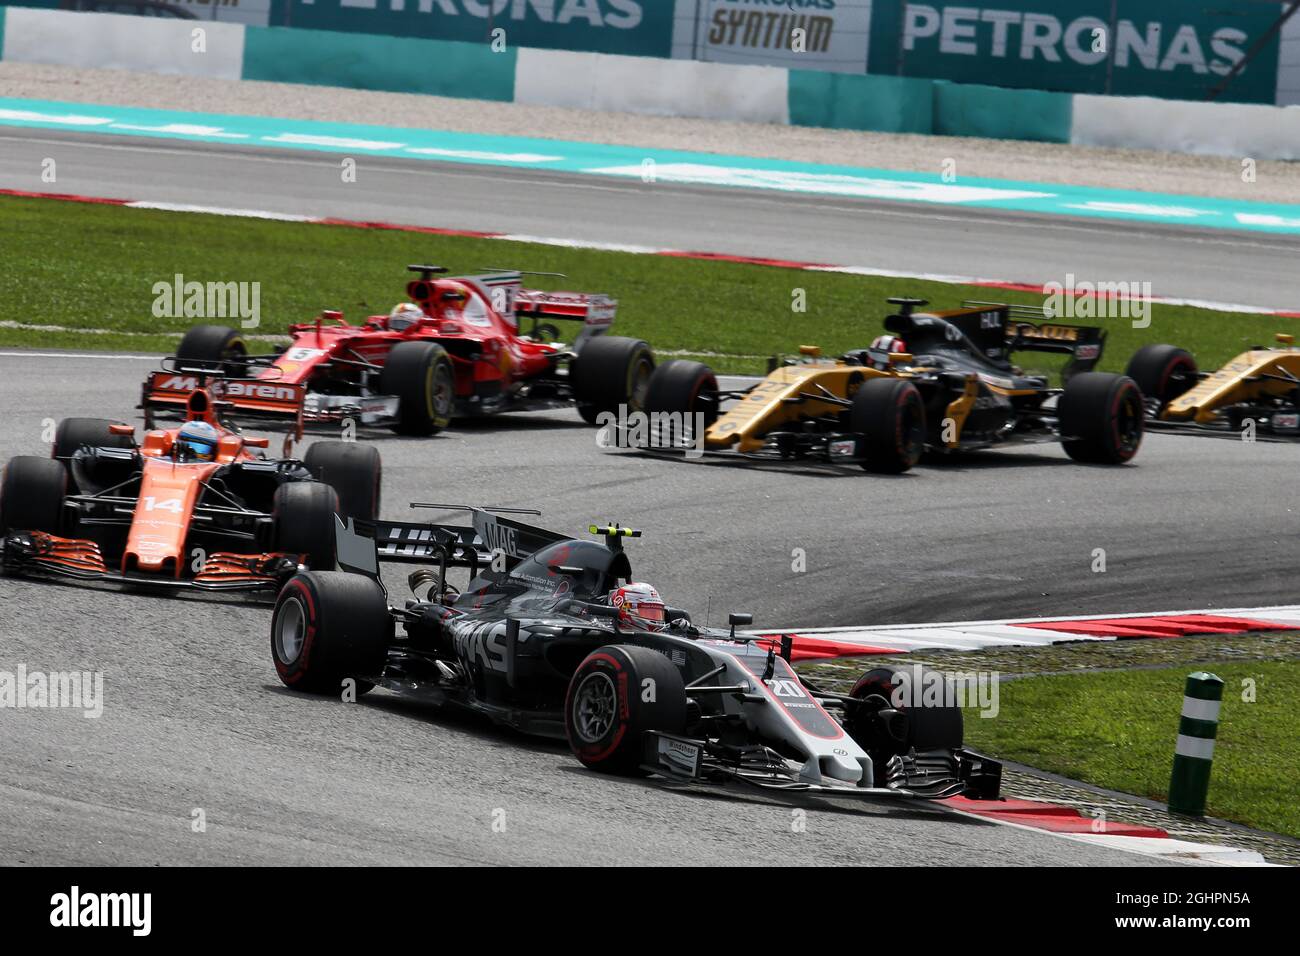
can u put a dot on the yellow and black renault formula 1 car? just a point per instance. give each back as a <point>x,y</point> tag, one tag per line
<point>944,382</point>
<point>1256,395</point>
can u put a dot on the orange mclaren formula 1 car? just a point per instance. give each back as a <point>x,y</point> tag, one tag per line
<point>1255,395</point>
<point>196,506</point>
<point>461,347</point>
<point>942,382</point>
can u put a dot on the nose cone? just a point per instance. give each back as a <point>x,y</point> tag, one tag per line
<point>841,767</point>
<point>168,493</point>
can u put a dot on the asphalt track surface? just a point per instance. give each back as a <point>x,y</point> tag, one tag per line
<point>1212,265</point>
<point>195,717</point>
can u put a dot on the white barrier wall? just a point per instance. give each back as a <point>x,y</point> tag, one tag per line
<point>636,84</point>
<point>114,41</point>
<point>1215,129</point>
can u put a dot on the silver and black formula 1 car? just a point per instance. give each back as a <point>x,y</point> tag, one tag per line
<point>533,643</point>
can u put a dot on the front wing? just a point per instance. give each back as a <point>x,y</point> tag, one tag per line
<point>935,775</point>
<point>39,553</point>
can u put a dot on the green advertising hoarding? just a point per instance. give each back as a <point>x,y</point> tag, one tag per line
<point>1177,49</point>
<point>634,27</point>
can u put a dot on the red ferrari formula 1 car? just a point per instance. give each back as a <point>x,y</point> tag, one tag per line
<point>197,506</point>
<point>457,350</point>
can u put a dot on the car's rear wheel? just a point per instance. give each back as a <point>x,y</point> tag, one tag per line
<point>329,627</point>
<point>421,376</point>
<point>1162,372</point>
<point>31,495</point>
<point>1100,416</point>
<point>894,716</point>
<point>686,390</point>
<point>73,433</point>
<point>610,371</point>
<point>303,520</point>
<point>889,416</point>
<point>616,695</point>
<point>353,470</point>
<point>214,347</point>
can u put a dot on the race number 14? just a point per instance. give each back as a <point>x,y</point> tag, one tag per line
<point>166,504</point>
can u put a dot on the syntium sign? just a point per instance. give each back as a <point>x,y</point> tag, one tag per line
<point>798,34</point>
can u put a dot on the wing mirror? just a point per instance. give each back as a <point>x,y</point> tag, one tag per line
<point>257,442</point>
<point>121,429</point>
<point>739,620</point>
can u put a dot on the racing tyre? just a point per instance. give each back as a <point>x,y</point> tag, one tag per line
<point>605,710</point>
<point>328,627</point>
<point>303,519</point>
<point>31,495</point>
<point>889,415</point>
<point>421,376</point>
<point>1102,416</point>
<point>1162,372</point>
<point>72,433</point>
<point>610,371</point>
<point>353,471</point>
<point>884,730</point>
<point>216,347</point>
<point>685,388</point>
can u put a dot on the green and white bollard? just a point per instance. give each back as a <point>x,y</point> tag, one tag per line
<point>1190,782</point>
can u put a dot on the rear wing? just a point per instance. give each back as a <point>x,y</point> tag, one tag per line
<point>588,308</point>
<point>168,392</point>
<point>1001,330</point>
<point>595,312</point>
<point>491,540</point>
<point>506,292</point>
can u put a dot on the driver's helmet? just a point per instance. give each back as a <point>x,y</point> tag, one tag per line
<point>404,315</point>
<point>639,606</point>
<point>196,441</point>
<point>888,343</point>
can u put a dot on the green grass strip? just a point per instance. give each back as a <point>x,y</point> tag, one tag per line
<point>1116,729</point>
<point>93,267</point>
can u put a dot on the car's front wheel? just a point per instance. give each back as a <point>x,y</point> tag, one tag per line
<point>330,627</point>
<point>685,391</point>
<point>889,417</point>
<point>1162,372</point>
<point>892,715</point>
<point>616,695</point>
<point>31,495</point>
<point>421,376</point>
